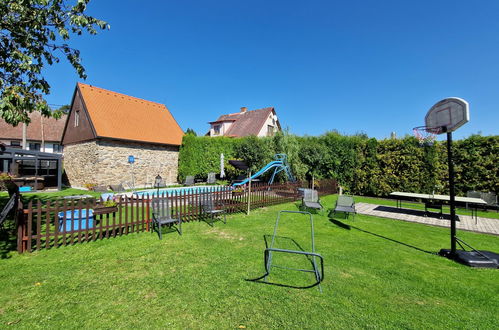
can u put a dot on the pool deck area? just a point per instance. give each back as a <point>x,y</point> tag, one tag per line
<point>466,222</point>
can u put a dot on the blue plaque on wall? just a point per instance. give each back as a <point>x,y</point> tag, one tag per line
<point>131,159</point>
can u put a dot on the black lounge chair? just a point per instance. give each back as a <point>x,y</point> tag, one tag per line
<point>211,178</point>
<point>162,215</point>
<point>208,207</point>
<point>189,180</point>
<point>100,189</point>
<point>117,188</point>
<point>346,205</point>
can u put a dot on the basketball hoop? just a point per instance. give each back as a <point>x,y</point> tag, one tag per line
<point>426,135</point>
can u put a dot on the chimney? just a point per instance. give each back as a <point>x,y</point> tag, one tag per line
<point>244,109</point>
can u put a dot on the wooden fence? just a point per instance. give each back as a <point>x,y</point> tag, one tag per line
<point>62,222</point>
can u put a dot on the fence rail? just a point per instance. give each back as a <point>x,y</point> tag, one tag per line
<point>54,223</point>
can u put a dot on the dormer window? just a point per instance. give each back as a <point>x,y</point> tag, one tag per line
<point>77,118</point>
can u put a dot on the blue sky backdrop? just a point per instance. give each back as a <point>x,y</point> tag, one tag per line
<point>371,66</point>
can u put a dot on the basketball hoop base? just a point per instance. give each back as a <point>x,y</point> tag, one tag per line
<point>477,259</point>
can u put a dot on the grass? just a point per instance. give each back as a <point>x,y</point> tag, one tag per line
<point>379,273</point>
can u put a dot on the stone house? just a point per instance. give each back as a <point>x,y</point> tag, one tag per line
<point>104,128</point>
<point>260,122</point>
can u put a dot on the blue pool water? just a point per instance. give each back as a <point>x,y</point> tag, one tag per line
<point>179,190</point>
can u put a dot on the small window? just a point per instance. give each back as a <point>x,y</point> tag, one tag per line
<point>34,146</point>
<point>216,129</point>
<point>77,118</point>
<point>270,130</point>
<point>56,147</point>
<point>15,144</point>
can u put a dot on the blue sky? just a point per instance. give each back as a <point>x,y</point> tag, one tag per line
<point>354,66</point>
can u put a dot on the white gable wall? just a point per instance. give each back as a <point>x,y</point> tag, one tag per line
<point>271,121</point>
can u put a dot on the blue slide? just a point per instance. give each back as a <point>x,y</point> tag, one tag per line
<point>279,165</point>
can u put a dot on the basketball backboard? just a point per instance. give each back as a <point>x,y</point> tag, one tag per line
<point>450,113</point>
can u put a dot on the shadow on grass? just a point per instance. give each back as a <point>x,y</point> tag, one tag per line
<point>8,239</point>
<point>262,279</point>
<point>349,227</point>
<point>340,224</point>
<point>414,212</point>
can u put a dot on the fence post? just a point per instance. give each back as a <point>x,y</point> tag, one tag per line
<point>21,223</point>
<point>249,193</point>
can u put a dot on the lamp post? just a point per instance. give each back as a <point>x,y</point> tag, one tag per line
<point>157,182</point>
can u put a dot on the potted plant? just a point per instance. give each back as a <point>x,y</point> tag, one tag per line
<point>6,183</point>
<point>238,191</point>
<point>109,206</point>
<point>90,186</point>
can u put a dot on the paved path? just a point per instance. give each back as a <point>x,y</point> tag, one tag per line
<point>483,225</point>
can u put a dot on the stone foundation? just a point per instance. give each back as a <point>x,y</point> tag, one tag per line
<point>105,162</point>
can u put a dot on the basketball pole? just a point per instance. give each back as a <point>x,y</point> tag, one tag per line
<point>452,193</point>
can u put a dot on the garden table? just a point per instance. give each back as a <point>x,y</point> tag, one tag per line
<point>431,200</point>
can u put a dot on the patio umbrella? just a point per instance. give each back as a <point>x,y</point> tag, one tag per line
<point>222,169</point>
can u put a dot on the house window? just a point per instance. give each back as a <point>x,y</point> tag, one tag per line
<point>56,147</point>
<point>34,146</point>
<point>77,118</point>
<point>216,129</point>
<point>270,130</point>
<point>15,144</point>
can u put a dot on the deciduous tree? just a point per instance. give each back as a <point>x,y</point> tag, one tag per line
<point>33,34</point>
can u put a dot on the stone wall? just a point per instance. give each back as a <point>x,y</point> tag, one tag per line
<point>105,162</point>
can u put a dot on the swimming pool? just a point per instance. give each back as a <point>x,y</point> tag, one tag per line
<point>178,191</point>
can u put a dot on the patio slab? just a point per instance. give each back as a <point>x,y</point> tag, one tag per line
<point>481,225</point>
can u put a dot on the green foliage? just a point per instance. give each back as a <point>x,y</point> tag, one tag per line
<point>201,155</point>
<point>109,203</point>
<point>362,166</point>
<point>190,131</point>
<point>33,32</point>
<point>254,151</point>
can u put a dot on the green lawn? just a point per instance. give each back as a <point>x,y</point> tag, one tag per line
<point>379,273</point>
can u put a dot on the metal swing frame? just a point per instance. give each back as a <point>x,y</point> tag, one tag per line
<point>312,256</point>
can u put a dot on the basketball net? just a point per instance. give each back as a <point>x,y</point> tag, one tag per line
<point>426,135</point>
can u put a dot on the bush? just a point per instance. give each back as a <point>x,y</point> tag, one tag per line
<point>361,165</point>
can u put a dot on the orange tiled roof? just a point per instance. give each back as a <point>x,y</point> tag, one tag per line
<point>120,116</point>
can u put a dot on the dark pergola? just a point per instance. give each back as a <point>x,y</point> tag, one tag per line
<point>15,154</point>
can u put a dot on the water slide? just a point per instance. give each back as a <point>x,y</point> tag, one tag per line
<point>279,165</point>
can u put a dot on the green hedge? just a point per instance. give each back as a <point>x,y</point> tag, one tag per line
<point>361,165</point>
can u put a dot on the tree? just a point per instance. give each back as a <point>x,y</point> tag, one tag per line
<point>190,131</point>
<point>34,33</point>
<point>62,110</point>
